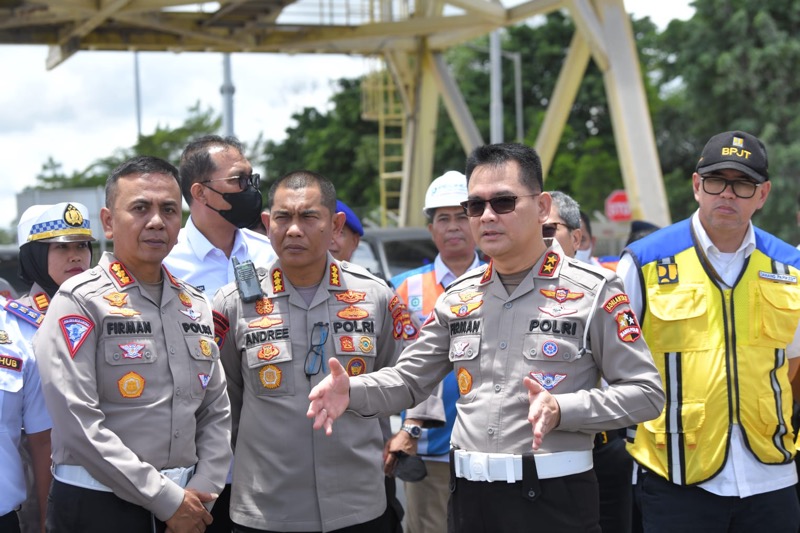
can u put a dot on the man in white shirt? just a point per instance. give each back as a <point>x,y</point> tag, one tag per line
<point>218,183</point>
<point>719,303</point>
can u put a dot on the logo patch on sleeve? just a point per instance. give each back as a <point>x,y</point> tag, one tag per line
<point>221,327</point>
<point>615,301</point>
<point>76,330</point>
<point>627,327</point>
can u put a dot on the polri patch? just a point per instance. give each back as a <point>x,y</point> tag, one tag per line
<point>356,366</point>
<point>131,385</point>
<point>264,306</point>
<point>116,299</point>
<point>464,380</point>
<point>351,312</point>
<point>268,352</point>
<point>561,294</point>
<point>346,343</point>
<point>204,379</point>
<point>350,296</point>
<point>270,376</point>
<point>549,348</point>
<point>131,350</point>
<point>463,309</point>
<point>76,330</point>
<point>265,322</point>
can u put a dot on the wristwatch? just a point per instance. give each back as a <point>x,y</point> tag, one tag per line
<point>414,431</point>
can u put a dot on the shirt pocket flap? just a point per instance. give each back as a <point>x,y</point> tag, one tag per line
<point>678,303</point>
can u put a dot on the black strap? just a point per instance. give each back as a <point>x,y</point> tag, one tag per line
<point>531,488</point>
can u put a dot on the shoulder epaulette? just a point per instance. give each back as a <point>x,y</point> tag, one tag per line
<point>24,313</point>
<point>360,271</point>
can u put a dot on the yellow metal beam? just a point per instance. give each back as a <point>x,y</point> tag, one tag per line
<point>586,21</point>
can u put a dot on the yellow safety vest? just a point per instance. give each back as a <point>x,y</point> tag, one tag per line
<point>721,356</point>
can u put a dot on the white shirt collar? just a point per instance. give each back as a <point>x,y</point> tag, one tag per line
<point>444,275</point>
<point>201,246</point>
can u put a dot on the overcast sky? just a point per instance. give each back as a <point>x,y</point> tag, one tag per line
<point>85,108</point>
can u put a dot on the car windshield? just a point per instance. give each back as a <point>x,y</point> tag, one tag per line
<point>408,254</point>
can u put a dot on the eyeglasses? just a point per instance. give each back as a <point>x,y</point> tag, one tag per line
<point>549,230</point>
<point>500,204</point>
<point>244,180</point>
<point>741,188</point>
<point>315,358</point>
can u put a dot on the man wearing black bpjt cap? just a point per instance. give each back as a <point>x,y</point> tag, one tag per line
<point>720,305</point>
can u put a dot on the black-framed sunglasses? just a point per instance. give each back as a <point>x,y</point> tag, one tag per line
<point>741,188</point>
<point>550,228</point>
<point>315,358</point>
<point>500,204</point>
<point>244,180</point>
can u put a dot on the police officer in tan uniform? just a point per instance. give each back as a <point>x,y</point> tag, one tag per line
<point>312,310</point>
<point>529,337</point>
<point>131,376</point>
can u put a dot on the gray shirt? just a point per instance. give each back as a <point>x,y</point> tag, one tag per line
<point>566,325</point>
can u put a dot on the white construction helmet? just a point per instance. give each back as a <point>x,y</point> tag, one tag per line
<point>448,190</point>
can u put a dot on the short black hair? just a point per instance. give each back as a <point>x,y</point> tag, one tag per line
<point>499,154</point>
<point>299,179</point>
<point>197,164</point>
<point>143,164</point>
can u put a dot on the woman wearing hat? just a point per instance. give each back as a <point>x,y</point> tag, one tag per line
<point>54,245</point>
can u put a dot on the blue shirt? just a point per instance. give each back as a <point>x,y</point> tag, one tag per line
<point>22,406</point>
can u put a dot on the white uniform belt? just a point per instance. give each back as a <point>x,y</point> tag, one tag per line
<point>78,476</point>
<point>479,466</point>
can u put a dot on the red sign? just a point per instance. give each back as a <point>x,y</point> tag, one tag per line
<point>617,207</point>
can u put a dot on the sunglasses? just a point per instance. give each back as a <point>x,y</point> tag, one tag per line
<point>549,229</point>
<point>500,204</point>
<point>244,180</point>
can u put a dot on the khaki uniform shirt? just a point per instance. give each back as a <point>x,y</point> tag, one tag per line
<point>36,299</point>
<point>566,325</point>
<point>135,386</point>
<point>286,476</point>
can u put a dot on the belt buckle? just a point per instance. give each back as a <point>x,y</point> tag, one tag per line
<point>479,467</point>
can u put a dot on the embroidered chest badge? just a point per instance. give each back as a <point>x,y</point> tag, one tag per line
<point>356,366</point>
<point>351,297</point>
<point>561,294</point>
<point>132,350</point>
<point>464,380</point>
<point>547,380</point>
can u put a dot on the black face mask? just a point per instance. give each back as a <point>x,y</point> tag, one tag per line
<point>245,206</point>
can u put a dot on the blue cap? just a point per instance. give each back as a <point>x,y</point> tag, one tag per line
<point>351,219</point>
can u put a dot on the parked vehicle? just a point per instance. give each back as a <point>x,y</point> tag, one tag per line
<point>387,252</point>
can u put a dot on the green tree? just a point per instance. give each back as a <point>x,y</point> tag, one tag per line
<point>731,66</point>
<point>164,142</point>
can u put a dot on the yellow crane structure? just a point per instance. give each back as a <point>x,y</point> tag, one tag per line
<point>409,36</point>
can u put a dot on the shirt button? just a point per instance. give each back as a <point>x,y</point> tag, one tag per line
<point>178,391</point>
<point>498,388</point>
<point>490,431</point>
<point>163,311</point>
<point>177,434</point>
<point>508,305</point>
<point>503,345</point>
<point>116,357</point>
<point>171,349</point>
<point>533,351</point>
